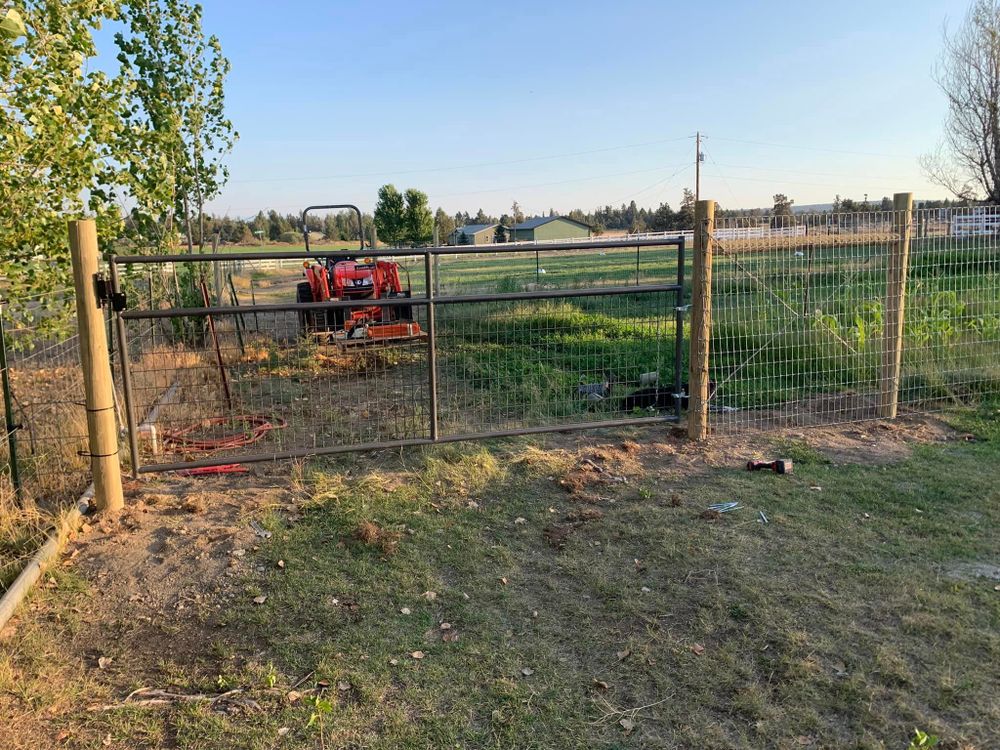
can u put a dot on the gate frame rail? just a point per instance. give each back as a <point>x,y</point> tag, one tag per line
<point>429,301</point>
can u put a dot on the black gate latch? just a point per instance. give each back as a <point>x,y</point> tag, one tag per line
<point>104,294</point>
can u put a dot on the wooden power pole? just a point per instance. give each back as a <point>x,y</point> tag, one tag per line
<point>697,166</point>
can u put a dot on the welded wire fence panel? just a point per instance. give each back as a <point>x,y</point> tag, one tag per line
<point>46,390</point>
<point>49,425</point>
<point>508,365</point>
<point>233,359</point>
<point>262,383</point>
<point>951,351</point>
<point>800,314</point>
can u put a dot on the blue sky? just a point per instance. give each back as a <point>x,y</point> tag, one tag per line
<point>578,104</point>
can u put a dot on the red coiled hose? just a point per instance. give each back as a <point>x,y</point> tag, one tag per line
<point>256,426</point>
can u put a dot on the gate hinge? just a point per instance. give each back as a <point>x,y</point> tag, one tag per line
<point>105,296</point>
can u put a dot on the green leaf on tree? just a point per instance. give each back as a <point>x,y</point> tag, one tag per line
<point>12,27</point>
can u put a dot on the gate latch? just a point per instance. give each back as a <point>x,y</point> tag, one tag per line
<point>105,296</point>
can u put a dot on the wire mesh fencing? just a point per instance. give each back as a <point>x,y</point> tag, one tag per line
<point>214,379</point>
<point>802,330</point>
<point>951,350</point>
<point>47,410</point>
<point>44,442</point>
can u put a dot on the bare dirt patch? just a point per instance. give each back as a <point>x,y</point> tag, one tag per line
<point>170,564</point>
<point>181,545</point>
<point>592,465</point>
<point>867,442</point>
<point>970,571</point>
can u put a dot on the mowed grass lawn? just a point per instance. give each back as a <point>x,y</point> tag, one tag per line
<point>510,596</point>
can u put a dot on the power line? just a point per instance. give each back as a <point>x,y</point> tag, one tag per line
<point>788,182</point>
<point>666,180</point>
<point>525,160</point>
<point>817,174</point>
<point>806,148</point>
<point>723,177</point>
<point>557,182</point>
<point>511,188</point>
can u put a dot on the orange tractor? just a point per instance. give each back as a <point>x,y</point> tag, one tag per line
<point>345,279</point>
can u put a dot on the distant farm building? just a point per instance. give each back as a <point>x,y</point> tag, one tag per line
<point>549,228</point>
<point>474,234</point>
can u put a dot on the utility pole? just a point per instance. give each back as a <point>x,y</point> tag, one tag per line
<point>697,166</point>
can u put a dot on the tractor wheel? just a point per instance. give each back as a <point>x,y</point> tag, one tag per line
<point>405,312</point>
<point>336,318</point>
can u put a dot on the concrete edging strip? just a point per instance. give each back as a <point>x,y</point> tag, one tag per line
<point>45,554</point>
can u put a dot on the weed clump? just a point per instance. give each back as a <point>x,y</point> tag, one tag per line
<point>372,535</point>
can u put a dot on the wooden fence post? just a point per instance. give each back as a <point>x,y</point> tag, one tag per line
<point>97,383</point>
<point>701,319</point>
<point>895,306</point>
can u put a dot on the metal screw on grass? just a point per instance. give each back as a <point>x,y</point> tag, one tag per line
<point>725,507</point>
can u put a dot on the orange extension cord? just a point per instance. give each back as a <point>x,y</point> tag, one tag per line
<point>256,427</point>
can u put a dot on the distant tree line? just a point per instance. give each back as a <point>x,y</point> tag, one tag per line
<point>405,219</point>
<point>272,226</point>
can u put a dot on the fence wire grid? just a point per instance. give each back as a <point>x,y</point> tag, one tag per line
<point>46,424</point>
<point>799,329</point>
<point>286,385</point>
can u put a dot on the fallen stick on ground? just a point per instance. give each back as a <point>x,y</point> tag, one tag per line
<point>631,713</point>
<point>145,696</point>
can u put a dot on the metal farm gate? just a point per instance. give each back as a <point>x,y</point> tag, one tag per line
<point>221,361</point>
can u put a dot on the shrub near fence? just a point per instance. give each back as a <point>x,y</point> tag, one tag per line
<point>800,322</point>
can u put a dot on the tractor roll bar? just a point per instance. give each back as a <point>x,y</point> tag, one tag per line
<point>350,207</point>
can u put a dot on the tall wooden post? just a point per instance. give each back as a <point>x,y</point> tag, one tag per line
<point>701,319</point>
<point>96,364</point>
<point>895,306</point>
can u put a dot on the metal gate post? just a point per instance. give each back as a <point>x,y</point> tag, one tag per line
<point>431,346</point>
<point>8,412</point>
<point>133,436</point>
<point>679,333</point>
<point>152,323</point>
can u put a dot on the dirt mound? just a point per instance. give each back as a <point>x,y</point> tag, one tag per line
<point>603,465</point>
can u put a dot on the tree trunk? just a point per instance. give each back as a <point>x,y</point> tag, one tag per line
<point>187,223</point>
<point>201,217</point>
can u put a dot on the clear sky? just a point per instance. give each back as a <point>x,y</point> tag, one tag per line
<point>578,104</point>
